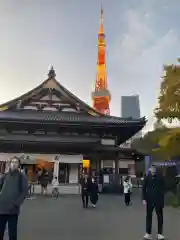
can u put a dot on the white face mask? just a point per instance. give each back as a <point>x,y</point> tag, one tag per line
<point>92,180</point>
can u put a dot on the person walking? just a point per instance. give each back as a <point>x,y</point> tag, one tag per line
<point>127,191</point>
<point>13,191</point>
<point>55,187</point>
<point>44,180</point>
<point>94,192</point>
<point>153,198</point>
<point>85,186</point>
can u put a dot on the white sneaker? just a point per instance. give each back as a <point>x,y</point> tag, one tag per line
<point>148,236</point>
<point>160,237</point>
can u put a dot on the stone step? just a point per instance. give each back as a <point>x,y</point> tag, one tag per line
<point>63,189</point>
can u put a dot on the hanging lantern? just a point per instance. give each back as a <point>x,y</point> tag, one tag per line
<point>86,163</point>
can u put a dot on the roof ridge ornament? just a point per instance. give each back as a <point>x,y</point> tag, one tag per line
<point>52,73</point>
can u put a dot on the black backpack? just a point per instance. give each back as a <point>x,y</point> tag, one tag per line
<point>3,179</point>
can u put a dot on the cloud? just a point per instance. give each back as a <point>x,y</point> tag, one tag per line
<point>136,37</point>
<point>141,51</point>
<point>140,40</point>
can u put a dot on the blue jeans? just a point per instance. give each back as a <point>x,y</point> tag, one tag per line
<point>12,220</point>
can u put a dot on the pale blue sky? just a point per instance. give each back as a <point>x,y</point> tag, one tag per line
<point>141,36</point>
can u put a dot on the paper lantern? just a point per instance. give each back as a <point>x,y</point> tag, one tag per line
<point>86,163</point>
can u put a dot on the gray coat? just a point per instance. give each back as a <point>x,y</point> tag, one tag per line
<point>13,191</point>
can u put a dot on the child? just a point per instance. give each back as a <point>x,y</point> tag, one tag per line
<point>55,185</point>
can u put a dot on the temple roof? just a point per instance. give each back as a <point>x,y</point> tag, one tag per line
<point>51,103</point>
<point>49,84</point>
<point>59,117</point>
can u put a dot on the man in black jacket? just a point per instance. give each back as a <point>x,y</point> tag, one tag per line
<point>153,198</point>
<point>85,185</point>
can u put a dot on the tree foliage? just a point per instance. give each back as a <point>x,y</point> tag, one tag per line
<point>149,142</point>
<point>169,144</point>
<point>161,144</point>
<point>169,98</point>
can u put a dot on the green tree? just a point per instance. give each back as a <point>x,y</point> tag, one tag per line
<point>169,144</point>
<point>149,144</point>
<point>169,99</point>
<point>169,109</point>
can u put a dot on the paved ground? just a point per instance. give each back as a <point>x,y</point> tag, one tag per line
<point>47,218</point>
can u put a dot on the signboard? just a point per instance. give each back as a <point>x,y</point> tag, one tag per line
<point>106,178</point>
<point>29,158</point>
<point>86,163</point>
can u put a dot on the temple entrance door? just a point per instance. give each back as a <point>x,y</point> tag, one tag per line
<point>63,173</point>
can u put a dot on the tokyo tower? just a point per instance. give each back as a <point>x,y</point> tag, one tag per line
<point>101,96</point>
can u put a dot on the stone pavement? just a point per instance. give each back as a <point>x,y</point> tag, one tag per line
<point>47,218</point>
<point>63,189</point>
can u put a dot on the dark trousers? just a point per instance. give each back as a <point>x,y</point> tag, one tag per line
<point>149,214</point>
<point>12,221</point>
<point>94,198</point>
<point>127,198</point>
<point>85,200</point>
<point>31,189</point>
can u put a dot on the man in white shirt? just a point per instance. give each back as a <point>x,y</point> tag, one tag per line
<point>127,191</point>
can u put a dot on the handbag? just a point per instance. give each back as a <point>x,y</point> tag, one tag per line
<point>129,189</point>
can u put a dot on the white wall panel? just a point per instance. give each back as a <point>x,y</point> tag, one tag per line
<point>73,175</point>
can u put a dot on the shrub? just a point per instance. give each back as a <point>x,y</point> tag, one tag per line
<point>172,199</point>
<point>175,202</point>
<point>169,197</point>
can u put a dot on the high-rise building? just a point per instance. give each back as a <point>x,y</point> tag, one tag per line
<point>130,107</point>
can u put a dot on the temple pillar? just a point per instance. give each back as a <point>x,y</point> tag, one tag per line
<point>116,167</point>
<point>148,162</point>
<point>56,169</point>
<point>101,164</point>
<point>98,164</point>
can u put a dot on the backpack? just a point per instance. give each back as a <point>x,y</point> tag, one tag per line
<point>2,181</point>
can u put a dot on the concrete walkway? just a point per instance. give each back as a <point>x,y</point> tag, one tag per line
<point>46,218</point>
<point>63,189</point>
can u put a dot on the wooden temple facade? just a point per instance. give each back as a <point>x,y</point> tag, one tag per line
<point>50,124</point>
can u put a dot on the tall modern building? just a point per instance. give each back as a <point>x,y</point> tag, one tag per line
<point>130,107</point>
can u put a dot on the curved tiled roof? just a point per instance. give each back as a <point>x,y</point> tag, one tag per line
<point>51,117</point>
<point>65,91</point>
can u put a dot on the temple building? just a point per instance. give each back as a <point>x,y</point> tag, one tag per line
<point>50,124</point>
<point>49,127</point>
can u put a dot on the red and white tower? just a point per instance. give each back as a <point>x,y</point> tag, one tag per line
<point>101,96</point>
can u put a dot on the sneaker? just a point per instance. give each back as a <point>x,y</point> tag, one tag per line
<point>160,237</point>
<point>147,237</point>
